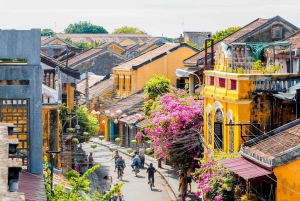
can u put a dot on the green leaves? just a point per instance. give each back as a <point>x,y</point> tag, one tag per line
<point>128,30</point>
<point>87,121</point>
<point>84,27</point>
<point>47,32</point>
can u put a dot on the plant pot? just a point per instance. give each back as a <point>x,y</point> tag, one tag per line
<point>85,134</point>
<point>129,151</point>
<point>70,130</point>
<point>133,142</point>
<point>93,146</point>
<point>101,137</point>
<point>118,140</point>
<point>75,140</point>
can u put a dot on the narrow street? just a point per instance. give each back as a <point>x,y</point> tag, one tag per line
<point>135,188</point>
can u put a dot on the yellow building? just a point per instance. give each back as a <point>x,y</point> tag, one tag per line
<point>273,163</point>
<point>239,105</point>
<point>131,76</point>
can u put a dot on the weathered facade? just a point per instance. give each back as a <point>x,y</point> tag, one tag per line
<point>21,93</point>
<point>9,171</point>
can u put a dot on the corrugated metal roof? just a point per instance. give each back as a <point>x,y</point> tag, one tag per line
<point>244,168</point>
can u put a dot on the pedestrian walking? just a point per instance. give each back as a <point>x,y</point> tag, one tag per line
<point>189,179</point>
<point>91,160</point>
<point>107,182</point>
<point>116,157</point>
<point>181,187</point>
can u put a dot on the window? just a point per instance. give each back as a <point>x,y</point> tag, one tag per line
<point>211,80</point>
<point>222,82</point>
<point>233,84</point>
<point>276,33</point>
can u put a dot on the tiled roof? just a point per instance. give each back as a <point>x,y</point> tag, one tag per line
<point>44,38</point>
<point>101,87</point>
<point>48,40</point>
<point>192,61</point>
<point>32,185</point>
<point>196,33</point>
<point>275,148</point>
<point>105,37</point>
<point>148,56</point>
<point>133,118</point>
<point>295,40</point>
<point>84,55</point>
<point>144,46</point>
<point>54,63</point>
<point>80,86</point>
<point>127,104</point>
<point>143,122</point>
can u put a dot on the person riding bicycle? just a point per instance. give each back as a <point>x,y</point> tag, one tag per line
<point>151,170</point>
<point>136,162</point>
<point>120,164</point>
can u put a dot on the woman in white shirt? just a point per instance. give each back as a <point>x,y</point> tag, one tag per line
<point>107,183</point>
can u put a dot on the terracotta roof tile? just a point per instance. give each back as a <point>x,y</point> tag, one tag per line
<point>80,86</point>
<point>295,40</point>
<point>52,60</point>
<point>147,56</point>
<point>135,100</point>
<point>101,87</point>
<point>144,122</point>
<point>105,37</point>
<point>192,61</point>
<point>276,144</point>
<point>133,118</point>
<point>84,55</point>
<point>32,185</point>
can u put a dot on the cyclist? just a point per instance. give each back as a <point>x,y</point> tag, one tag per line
<point>136,162</point>
<point>120,164</point>
<point>151,170</point>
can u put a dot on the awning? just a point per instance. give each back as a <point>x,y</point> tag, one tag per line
<point>244,168</point>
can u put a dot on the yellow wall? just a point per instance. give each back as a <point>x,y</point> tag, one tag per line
<point>116,48</point>
<point>165,65</point>
<point>70,96</point>
<point>127,42</point>
<point>288,177</point>
<point>46,130</point>
<point>57,42</point>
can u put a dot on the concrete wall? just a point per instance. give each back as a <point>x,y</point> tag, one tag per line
<point>21,45</point>
<point>25,44</point>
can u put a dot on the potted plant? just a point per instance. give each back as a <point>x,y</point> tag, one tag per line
<point>249,197</point>
<point>75,141</point>
<point>133,142</point>
<point>118,140</point>
<point>101,137</point>
<point>85,134</point>
<point>129,150</point>
<point>70,130</point>
<point>93,146</point>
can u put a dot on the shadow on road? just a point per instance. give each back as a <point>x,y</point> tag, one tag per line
<point>156,190</point>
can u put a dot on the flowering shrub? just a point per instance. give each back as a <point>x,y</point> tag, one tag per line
<point>138,135</point>
<point>175,128</point>
<point>213,179</point>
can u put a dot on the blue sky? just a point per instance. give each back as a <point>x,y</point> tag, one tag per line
<point>157,17</point>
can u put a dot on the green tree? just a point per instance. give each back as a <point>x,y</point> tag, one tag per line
<point>128,30</point>
<point>87,121</point>
<point>220,35</point>
<point>47,32</point>
<point>84,45</point>
<point>79,187</point>
<point>155,87</point>
<point>85,27</point>
<point>172,40</point>
<point>191,44</point>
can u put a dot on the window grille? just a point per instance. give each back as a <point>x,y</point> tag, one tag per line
<point>211,80</point>
<point>222,82</point>
<point>233,84</point>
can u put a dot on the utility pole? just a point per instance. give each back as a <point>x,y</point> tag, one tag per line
<point>52,155</point>
<point>87,100</point>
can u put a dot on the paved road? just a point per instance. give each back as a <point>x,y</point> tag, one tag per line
<point>135,188</point>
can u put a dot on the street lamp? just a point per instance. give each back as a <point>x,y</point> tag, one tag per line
<point>185,73</point>
<point>52,155</point>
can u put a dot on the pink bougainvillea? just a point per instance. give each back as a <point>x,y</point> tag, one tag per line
<point>138,135</point>
<point>175,128</point>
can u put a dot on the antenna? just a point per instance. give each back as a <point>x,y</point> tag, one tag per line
<point>55,27</point>
<point>182,24</point>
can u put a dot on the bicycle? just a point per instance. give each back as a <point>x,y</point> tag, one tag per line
<point>136,170</point>
<point>151,183</point>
